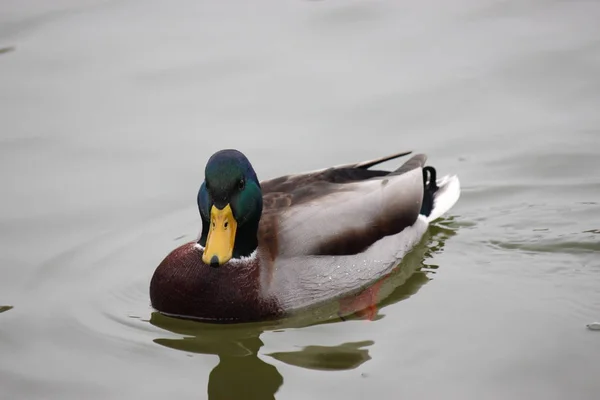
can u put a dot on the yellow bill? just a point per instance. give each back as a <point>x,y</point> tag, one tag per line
<point>221,236</point>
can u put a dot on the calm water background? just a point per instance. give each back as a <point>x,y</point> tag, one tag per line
<point>110,109</point>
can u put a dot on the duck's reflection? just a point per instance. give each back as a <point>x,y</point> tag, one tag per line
<point>246,377</point>
<point>403,282</point>
<point>241,373</point>
<point>327,358</point>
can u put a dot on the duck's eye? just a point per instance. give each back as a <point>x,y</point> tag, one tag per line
<point>241,184</point>
<point>206,185</point>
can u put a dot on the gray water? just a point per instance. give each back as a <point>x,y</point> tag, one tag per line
<point>110,109</point>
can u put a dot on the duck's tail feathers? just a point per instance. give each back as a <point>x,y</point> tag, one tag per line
<point>370,163</point>
<point>416,161</point>
<point>443,194</point>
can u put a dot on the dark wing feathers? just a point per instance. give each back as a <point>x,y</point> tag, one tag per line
<point>340,174</point>
<point>332,175</point>
<point>370,163</point>
<point>284,191</point>
<point>416,161</point>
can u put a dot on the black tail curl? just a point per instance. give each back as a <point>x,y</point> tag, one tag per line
<point>430,188</point>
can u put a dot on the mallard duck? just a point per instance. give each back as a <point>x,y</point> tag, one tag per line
<point>269,249</point>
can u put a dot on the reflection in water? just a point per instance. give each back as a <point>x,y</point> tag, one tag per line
<point>327,358</point>
<point>244,377</point>
<point>6,49</point>
<point>240,373</point>
<point>435,240</point>
<point>403,282</point>
<point>5,308</point>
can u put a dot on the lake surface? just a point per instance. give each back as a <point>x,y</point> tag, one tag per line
<point>109,111</point>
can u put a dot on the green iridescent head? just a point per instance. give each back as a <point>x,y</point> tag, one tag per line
<point>230,204</point>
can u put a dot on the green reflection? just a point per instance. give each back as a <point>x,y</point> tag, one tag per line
<point>6,50</point>
<point>5,308</point>
<point>204,338</point>
<point>403,282</point>
<point>240,373</point>
<point>327,358</point>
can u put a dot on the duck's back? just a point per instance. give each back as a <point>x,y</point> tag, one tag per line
<point>339,211</point>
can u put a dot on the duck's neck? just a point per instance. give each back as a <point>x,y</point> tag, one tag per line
<point>246,239</point>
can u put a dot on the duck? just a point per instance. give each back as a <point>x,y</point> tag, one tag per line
<point>269,249</point>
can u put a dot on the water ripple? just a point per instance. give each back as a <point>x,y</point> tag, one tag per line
<point>550,246</point>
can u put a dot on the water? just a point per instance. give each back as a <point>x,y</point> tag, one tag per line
<point>110,109</point>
